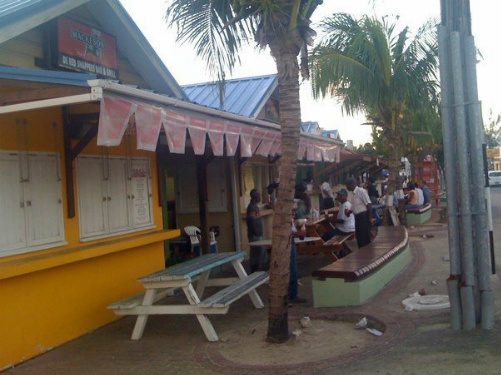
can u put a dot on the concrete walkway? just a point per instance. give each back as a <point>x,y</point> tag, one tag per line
<point>413,343</point>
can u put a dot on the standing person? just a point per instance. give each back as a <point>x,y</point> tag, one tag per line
<point>304,204</point>
<point>258,255</point>
<point>298,230</point>
<point>362,209</point>
<point>372,190</point>
<point>327,195</point>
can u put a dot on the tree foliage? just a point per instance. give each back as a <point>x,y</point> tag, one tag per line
<point>492,130</point>
<point>389,75</point>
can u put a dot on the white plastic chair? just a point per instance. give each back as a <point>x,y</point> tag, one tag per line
<point>194,234</point>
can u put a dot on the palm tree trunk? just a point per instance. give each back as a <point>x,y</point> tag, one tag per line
<point>290,119</point>
<point>394,180</point>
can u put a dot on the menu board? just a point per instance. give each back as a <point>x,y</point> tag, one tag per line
<point>140,190</point>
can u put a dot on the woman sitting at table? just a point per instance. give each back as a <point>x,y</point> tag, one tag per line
<point>345,221</point>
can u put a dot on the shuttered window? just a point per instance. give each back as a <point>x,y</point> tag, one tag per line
<point>31,213</point>
<point>114,195</point>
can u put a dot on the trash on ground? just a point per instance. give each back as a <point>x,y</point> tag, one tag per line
<point>305,321</point>
<point>426,302</point>
<point>297,332</point>
<point>422,292</point>
<point>434,282</point>
<point>374,331</point>
<point>362,323</point>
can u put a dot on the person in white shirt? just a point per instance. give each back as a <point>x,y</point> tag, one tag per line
<point>345,221</point>
<point>362,209</point>
<point>327,195</point>
<point>420,196</point>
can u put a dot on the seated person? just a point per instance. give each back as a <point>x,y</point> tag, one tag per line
<point>420,195</point>
<point>345,222</point>
<point>412,198</point>
<point>426,193</point>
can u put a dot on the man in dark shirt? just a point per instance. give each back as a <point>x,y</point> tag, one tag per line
<point>258,255</point>
<point>372,190</point>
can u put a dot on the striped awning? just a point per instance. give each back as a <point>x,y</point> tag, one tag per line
<point>224,135</point>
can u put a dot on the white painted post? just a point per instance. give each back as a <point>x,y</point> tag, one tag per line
<point>205,323</point>
<point>141,320</point>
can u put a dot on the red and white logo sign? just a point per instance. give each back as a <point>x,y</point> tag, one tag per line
<point>83,48</point>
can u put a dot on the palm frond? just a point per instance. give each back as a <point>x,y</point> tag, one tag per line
<point>215,28</point>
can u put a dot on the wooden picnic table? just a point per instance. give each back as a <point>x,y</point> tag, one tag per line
<point>159,284</point>
<point>297,240</point>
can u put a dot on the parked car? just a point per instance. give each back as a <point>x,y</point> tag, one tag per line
<point>494,178</point>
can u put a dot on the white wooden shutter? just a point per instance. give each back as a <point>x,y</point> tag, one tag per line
<point>187,189</point>
<point>92,196</point>
<point>12,215</point>
<point>140,193</point>
<point>43,200</point>
<point>118,218</point>
<point>216,186</point>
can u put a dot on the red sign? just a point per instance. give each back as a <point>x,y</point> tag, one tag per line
<point>83,48</point>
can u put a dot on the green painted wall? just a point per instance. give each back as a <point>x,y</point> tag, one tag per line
<point>333,292</point>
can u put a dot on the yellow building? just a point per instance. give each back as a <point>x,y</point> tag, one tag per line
<point>72,238</point>
<point>96,141</point>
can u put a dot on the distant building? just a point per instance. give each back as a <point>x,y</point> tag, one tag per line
<point>494,158</point>
<point>349,144</point>
<point>332,134</point>
<point>312,127</point>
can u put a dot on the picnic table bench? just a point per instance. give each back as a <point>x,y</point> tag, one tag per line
<point>160,284</point>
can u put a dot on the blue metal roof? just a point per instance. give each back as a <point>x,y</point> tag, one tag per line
<point>243,96</point>
<point>13,9</point>
<point>46,76</point>
<point>310,127</point>
<point>334,133</point>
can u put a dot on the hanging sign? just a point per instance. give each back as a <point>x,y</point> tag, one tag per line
<point>84,48</point>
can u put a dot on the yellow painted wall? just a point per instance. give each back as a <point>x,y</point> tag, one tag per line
<point>51,296</point>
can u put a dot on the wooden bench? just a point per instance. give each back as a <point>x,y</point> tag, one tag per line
<point>331,248</point>
<point>361,274</point>
<point>160,284</point>
<point>420,215</point>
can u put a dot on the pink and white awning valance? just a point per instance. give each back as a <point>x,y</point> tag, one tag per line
<point>224,135</point>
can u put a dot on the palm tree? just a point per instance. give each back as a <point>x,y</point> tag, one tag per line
<point>218,29</point>
<point>372,69</point>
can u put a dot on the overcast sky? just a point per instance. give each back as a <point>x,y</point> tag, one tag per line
<point>188,68</point>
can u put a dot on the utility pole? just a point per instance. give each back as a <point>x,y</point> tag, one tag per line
<point>470,294</point>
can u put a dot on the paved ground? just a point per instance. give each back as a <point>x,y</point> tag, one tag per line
<point>413,343</point>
